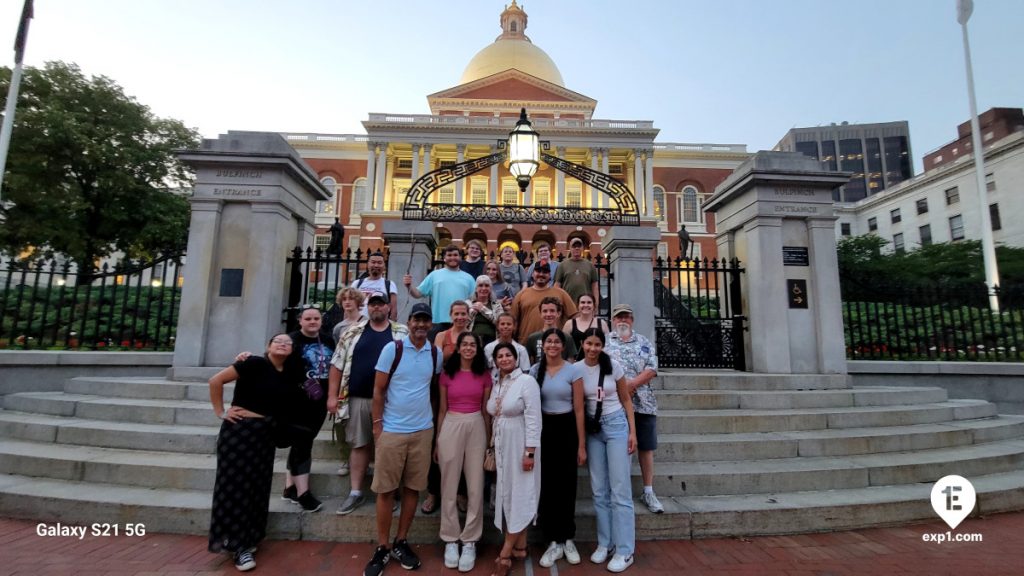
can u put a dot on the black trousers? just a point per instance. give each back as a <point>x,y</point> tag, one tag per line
<point>556,513</point>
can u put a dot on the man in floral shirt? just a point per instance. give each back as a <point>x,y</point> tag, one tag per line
<point>640,362</point>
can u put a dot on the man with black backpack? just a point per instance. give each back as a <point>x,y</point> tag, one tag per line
<point>374,281</point>
<point>403,430</point>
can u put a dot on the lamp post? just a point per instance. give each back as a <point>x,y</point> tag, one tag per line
<point>964,8</point>
<point>523,151</point>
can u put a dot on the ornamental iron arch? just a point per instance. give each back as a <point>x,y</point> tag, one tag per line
<point>417,208</point>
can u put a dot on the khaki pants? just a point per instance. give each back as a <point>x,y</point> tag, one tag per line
<point>460,449</point>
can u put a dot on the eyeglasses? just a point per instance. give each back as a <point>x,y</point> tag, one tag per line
<point>283,342</point>
<point>309,306</point>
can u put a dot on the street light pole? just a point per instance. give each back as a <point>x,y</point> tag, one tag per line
<point>988,249</point>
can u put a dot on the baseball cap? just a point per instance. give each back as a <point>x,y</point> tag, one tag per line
<point>542,266</point>
<point>576,242</point>
<point>377,296</point>
<point>421,309</point>
<point>622,309</point>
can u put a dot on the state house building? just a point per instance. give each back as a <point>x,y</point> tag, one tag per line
<point>371,174</point>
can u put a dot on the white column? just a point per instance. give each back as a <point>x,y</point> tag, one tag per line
<point>649,182</point>
<point>415,163</point>
<point>604,168</point>
<point>594,153</point>
<point>638,181</point>
<point>371,165</point>
<point>378,194</point>
<point>389,181</point>
<point>460,156</point>
<point>426,158</point>
<point>560,180</point>
<point>492,185</point>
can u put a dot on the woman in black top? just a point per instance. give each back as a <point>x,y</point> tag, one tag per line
<point>245,450</point>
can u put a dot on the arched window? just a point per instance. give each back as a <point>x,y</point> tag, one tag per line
<point>689,205</point>
<point>360,197</point>
<point>327,207</point>
<point>659,203</point>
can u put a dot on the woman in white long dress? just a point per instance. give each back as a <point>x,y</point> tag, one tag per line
<point>515,405</point>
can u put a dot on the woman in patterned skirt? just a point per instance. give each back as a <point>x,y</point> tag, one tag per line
<point>245,450</point>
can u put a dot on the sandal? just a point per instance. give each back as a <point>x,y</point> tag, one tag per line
<point>502,566</point>
<point>429,505</point>
<point>519,553</point>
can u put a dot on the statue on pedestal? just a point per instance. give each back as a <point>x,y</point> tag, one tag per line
<point>337,236</point>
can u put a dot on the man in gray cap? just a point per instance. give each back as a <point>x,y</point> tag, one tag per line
<point>639,361</point>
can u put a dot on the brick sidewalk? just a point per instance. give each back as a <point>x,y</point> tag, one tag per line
<point>878,551</point>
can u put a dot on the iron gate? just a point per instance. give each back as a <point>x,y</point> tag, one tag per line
<point>698,313</point>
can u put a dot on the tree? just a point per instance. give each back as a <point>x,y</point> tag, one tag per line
<point>91,170</point>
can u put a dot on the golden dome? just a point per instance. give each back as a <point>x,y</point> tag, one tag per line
<point>512,49</point>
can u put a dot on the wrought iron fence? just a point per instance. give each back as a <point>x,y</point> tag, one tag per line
<point>699,318</point>
<point>932,322</point>
<point>131,305</point>
<point>315,278</point>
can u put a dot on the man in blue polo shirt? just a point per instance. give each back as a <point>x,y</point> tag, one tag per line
<point>403,429</point>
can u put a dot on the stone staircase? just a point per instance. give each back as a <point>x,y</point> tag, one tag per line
<point>739,454</point>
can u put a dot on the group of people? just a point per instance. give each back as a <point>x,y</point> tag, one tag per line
<point>505,372</point>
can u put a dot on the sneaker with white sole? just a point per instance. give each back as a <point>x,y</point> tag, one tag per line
<point>619,563</point>
<point>309,502</point>
<point>572,555</point>
<point>451,555</point>
<point>468,558</point>
<point>551,555</point>
<point>600,555</point>
<point>652,502</point>
<point>351,503</point>
<point>290,494</point>
<point>244,561</point>
<point>343,470</point>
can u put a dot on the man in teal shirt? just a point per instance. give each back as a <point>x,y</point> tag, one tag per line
<point>443,286</point>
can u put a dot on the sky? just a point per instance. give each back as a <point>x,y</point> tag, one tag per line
<point>705,71</point>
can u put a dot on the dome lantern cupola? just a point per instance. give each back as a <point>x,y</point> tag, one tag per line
<point>512,50</point>
<point>513,23</point>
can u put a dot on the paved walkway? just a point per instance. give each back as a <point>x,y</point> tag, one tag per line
<point>879,551</point>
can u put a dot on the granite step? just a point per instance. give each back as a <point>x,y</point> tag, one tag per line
<point>187,511</point>
<point>147,388</point>
<point>769,400</point>
<point>731,380</point>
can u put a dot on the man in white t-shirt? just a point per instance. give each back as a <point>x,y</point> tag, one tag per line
<point>376,282</point>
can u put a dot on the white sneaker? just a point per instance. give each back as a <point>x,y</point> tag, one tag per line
<point>652,502</point>
<point>620,563</point>
<point>552,554</point>
<point>451,555</point>
<point>468,559</point>
<point>343,469</point>
<point>600,555</point>
<point>572,555</point>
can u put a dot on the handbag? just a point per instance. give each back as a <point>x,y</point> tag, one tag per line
<point>592,424</point>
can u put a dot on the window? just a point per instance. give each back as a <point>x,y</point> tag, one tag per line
<point>894,214</point>
<point>844,228</point>
<point>993,214</point>
<point>321,241</point>
<point>956,228</point>
<point>663,250</point>
<point>689,208</point>
<point>542,193</point>
<point>478,192</point>
<point>573,194</point>
<point>659,203</point>
<point>990,182</point>
<point>446,195</point>
<point>952,196</point>
<point>851,159</point>
<point>897,243</point>
<point>872,224</point>
<point>897,159</point>
<point>809,149</point>
<point>445,163</point>
<point>615,169</point>
<point>828,155</point>
<point>922,206</point>
<point>405,163</point>
<point>327,206</point>
<point>874,160</point>
<point>361,197</point>
<point>509,194</point>
<point>926,234</point>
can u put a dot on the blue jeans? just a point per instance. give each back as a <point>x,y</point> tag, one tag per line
<point>608,455</point>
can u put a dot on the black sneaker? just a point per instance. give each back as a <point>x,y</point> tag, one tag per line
<point>244,561</point>
<point>309,502</point>
<point>290,494</point>
<point>401,551</point>
<point>381,557</point>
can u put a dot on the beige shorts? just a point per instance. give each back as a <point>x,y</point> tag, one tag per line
<point>402,459</point>
<point>359,428</point>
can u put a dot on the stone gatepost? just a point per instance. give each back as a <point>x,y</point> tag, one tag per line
<point>630,251</point>
<point>408,241</point>
<point>254,201</point>
<point>774,213</point>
